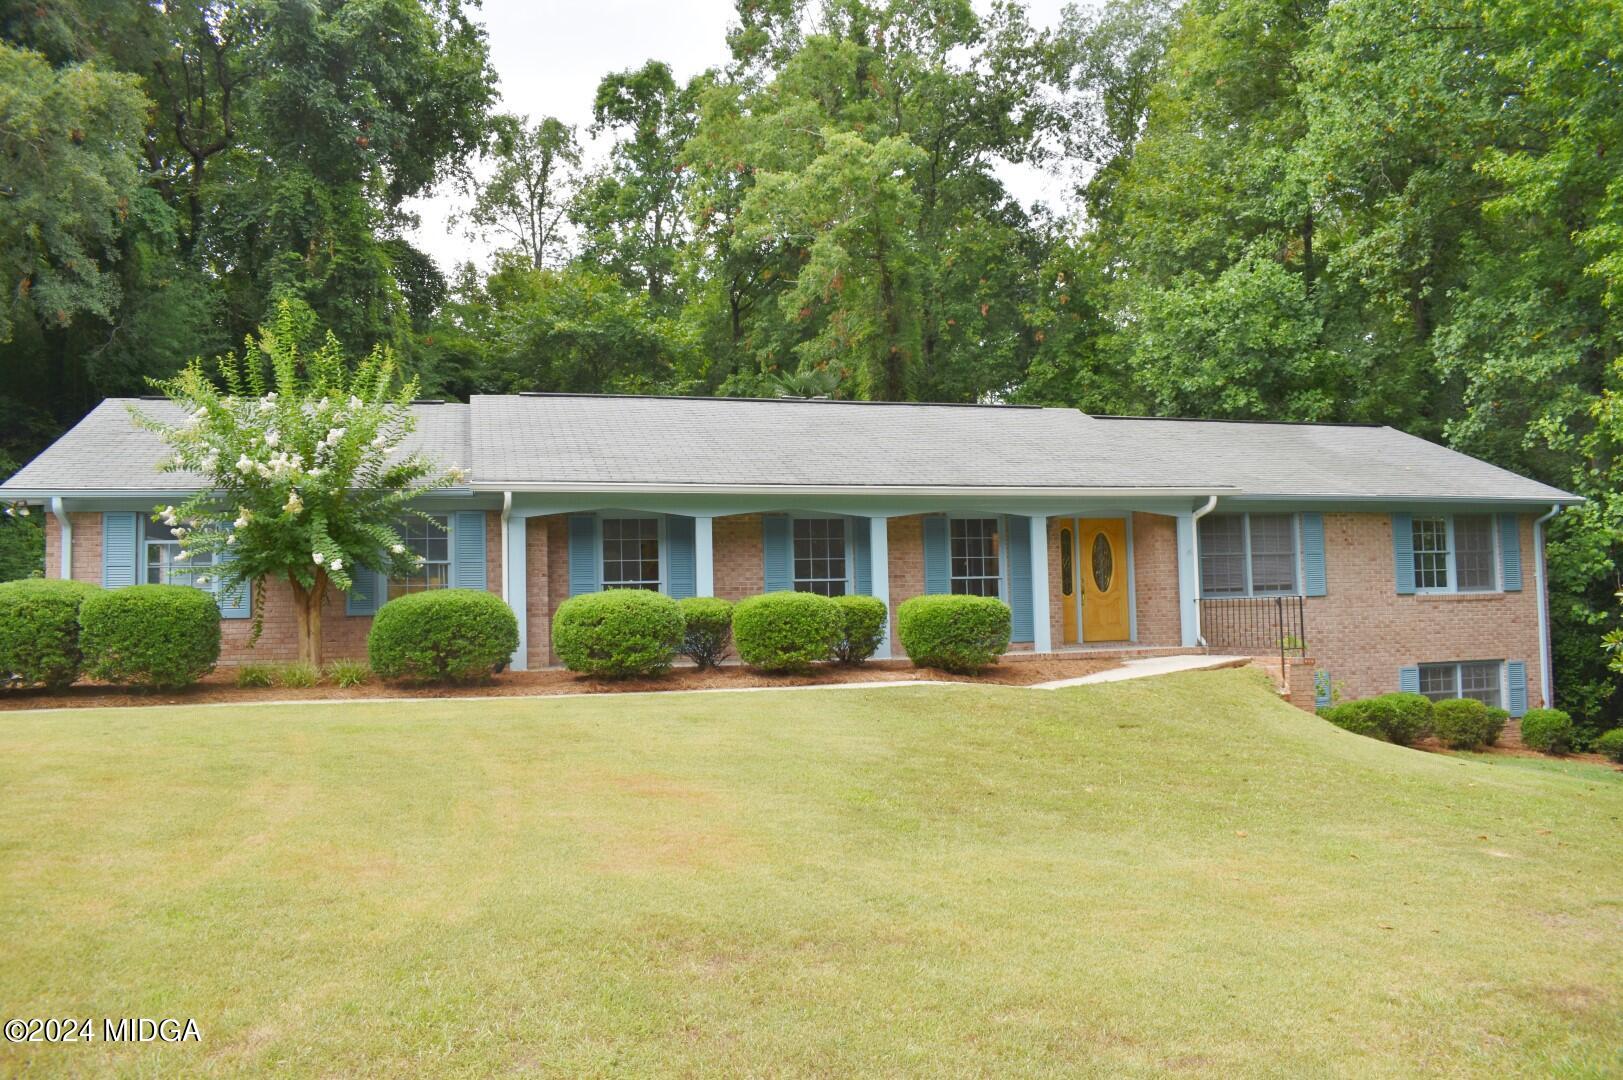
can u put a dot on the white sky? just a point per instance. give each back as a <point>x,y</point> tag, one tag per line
<point>550,55</point>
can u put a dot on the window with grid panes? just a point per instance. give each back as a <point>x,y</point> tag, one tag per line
<point>820,556</point>
<point>431,541</point>
<point>631,553</point>
<point>974,556</point>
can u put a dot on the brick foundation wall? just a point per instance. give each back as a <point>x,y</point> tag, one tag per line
<point>1362,631</point>
<point>1155,578</point>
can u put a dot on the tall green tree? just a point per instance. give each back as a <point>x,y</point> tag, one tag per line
<point>525,199</point>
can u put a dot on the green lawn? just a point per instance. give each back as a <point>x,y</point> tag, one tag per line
<point>1178,875</point>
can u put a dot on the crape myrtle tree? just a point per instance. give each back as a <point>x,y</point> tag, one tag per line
<point>302,476</point>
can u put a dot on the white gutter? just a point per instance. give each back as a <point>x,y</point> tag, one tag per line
<point>851,489</point>
<point>507,512</point>
<point>1194,539</point>
<point>61,515</point>
<point>1541,587</point>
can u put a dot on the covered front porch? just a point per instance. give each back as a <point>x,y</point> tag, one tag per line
<point>1082,574</point>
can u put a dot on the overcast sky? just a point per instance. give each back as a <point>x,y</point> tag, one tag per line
<point>550,55</point>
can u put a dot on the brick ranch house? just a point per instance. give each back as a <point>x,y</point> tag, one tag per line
<point>1390,561</point>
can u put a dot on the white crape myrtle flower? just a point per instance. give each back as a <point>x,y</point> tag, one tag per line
<point>272,437</point>
<point>398,549</point>
<point>182,555</point>
<point>338,564</point>
<point>294,504</point>
<point>380,441</point>
<point>242,518</point>
<point>244,466</point>
<point>203,579</point>
<point>317,557</point>
<point>355,402</point>
<point>230,538</point>
<point>323,405</point>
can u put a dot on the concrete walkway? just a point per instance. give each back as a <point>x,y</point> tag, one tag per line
<point>1146,667</point>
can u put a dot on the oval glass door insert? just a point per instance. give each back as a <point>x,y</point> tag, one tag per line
<point>1104,563</point>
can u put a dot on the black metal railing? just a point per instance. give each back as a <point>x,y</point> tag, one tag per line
<point>1255,625</point>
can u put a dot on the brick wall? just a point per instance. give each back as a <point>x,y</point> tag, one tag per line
<point>542,572</point>
<point>1362,631</point>
<point>736,548</point>
<point>904,536</point>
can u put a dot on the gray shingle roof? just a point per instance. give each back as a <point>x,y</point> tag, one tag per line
<point>106,451</point>
<point>586,442</point>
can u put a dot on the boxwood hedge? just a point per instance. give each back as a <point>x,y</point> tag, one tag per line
<point>161,636</point>
<point>442,635</point>
<point>954,633</point>
<point>618,633</point>
<point>786,631</point>
<point>39,631</point>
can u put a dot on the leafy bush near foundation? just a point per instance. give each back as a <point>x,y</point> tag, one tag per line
<point>619,633</point>
<point>443,635</point>
<point>1358,717</point>
<point>862,621</point>
<point>1611,744</point>
<point>786,631</point>
<point>1548,730</point>
<point>954,633</point>
<point>707,629</point>
<point>39,631</point>
<point>160,636</point>
<point>1464,724</point>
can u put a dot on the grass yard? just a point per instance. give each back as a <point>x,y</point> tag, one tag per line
<point>1175,875</point>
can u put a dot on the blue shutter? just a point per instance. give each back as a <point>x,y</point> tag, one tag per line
<point>937,565</point>
<point>1322,692</point>
<point>1018,545</point>
<point>1313,554</point>
<point>468,550</point>
<point>234,602</point>
<point>681,557</point>
<point>777,554</point>
<point>365,588</point>
<point>1510,552</point>
<point>1409,680</point>
<point>1516,676</point>
<point>120,539</point>
<point>1403,552</point>
<point>583,560</point>
<point>858,532</point>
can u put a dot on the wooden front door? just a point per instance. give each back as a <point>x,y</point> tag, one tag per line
<point>1067,582</point>
<point>1102,565</point>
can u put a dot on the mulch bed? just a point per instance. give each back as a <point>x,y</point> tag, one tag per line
<point>221,686</point>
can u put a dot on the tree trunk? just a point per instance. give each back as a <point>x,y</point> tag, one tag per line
<point>307,605</point>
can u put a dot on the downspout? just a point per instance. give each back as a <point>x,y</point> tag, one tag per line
<point>61,515</point>
<point>1194,540</point>
<point>507,513</point>
<point>1541,587</point>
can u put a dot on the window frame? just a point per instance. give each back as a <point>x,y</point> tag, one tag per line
<point>1296,587</point>
<point>148,542</point>
<point>1457,670</point>
<point>390,581</point>
<point>663,584</point>
<point>1000,532</point>
<point>848,554</point>
<point>1451,560</point>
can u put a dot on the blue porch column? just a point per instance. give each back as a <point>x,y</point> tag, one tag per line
<point>879,561</point>
<point>704,556</point>
<point>1188,581</point>
<point>1042,637</point>
<point>517,589</point>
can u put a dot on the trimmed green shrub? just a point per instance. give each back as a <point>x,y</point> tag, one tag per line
<point>256,676</point>
<point>1548,730</point>
<point>39,631</point>
<point>862,627</point>
<point>786,631</point>
<point>954,633</point>
<point>455,635</point>
<point>162,636</point>
<point>347,673</point>
<point>1356,717</point>
<point>707,629</point>
<point>1611,744</point>
<point>1462,723</point>
<point>618,633</point>
<point>1405,718</point>
<point>1495,725</point>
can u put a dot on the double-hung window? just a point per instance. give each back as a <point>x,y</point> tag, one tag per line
<point>1248,554</point>
<point>430,541</point>
<point>631,553</point>
<point>975,564</point>
<point>1455,553</point>
<point>820,556</point>
<point>1479,679</point>
<point>164,566</point>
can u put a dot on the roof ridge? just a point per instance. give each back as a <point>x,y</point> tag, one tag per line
<point>770,400</point>
<point>1230,420</point>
